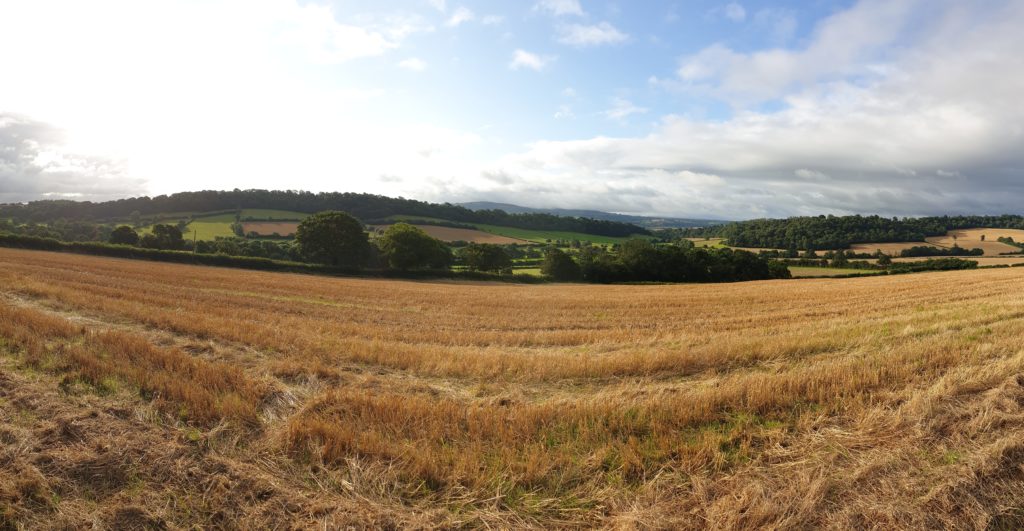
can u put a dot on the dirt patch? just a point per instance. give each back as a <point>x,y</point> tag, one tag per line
<point>269,228</point>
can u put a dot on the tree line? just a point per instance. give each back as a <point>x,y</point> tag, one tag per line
<point>834,232</point>
<point>339,240</point>
<point>364,207</point>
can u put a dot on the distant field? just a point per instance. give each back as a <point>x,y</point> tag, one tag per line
<point>537,236</point>
<point>211,227</point>
<point>982,260</point>
<point>267,228</point>
<point>715,243</point>
<point>890,248</point>
<point>800,271</point>
<point>970,238</point>
<point>140,394</point>
<point>259,213</point>
<point>450,234</point>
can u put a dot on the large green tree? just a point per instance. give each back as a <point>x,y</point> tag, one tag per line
<point>405,246</point>
<point>124,235</point>
<point>335,238</point>
<point>560,266</point>
<point>163,237</point>
<point>486,257</point>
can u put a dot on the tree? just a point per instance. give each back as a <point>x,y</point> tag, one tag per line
<point>335,238</point>
<point>486,257</point>
<point>560,266</point>
<point>124,235</point>
<point>884,259</point>
<point>840,259</point>
<point>166,237</point>
<point>405,246</point>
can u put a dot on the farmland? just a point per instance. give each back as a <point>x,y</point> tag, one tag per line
<point>451,234</point>
<point>168,395</point>
<point>538,236</point>
<point>801,271</point>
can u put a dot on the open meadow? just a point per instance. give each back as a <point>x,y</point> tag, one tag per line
<point>142,394</point>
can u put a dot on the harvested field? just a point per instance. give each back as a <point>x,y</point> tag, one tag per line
<point>971,238</point>
<point>890,248</point>
<point>982,260</point>
<point>268,228</point>
<point>452,234</point>
<point>161,395</point>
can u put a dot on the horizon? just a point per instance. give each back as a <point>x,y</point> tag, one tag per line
<point>714,110</point>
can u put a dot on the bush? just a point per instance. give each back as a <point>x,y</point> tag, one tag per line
<point>334,238</point>
<point>486,257</point>
<point>404,247</point>
<point>560,266</point>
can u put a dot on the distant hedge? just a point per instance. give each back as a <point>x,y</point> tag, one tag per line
<point>241,262</point>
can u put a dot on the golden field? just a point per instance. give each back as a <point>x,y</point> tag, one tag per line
<point>148,394</point>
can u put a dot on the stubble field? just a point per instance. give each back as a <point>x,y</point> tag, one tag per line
<point>135,393</point>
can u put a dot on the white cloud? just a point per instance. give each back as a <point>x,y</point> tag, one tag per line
<point>439,5</point>
<point>491,20</point>
<point>569,92</point>
<point>735,12</point>
<point>564,112</point>
<point>524,59</point>
<point>844,44</point>
<point>462,14</point>
<point>414,64</point>
<point>947,97</point>
<point>560,7</point>
<point>805,173</point>
<point>590,35</point>
<point>622,109</point>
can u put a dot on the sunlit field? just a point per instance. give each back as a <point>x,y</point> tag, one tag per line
<point>138,393</point>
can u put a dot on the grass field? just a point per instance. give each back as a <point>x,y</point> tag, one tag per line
<point>537,236</point>
<point>139,394</point>
<point>211,227</point>
<point>450,234</point>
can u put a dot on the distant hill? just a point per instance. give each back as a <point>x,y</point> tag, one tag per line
<point>366,207</point>
<point>647,222</point>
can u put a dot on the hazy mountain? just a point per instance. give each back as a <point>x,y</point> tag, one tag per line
<point>643,221</point>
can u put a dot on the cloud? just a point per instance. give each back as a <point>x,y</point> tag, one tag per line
<point>315,30</point>
<point>524,59</point>
<point>491,20</point>
<point>569,92</point>
<point>34,163</point>
<point>881,131</point>
<point>845,44</point>
<point>590,35</point>
<point>564,112</point>
<point>622,109</point>
<point>461,15</point>
<point>734,12</point>
<point>815,175</point>
<point>439,5</point>
<point>413,64</point>
<point>560,7</point>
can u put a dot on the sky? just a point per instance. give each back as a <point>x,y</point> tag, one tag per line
<point>708,109</point>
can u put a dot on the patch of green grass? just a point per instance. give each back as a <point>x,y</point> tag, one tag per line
<point>542,236</point>
<point>263,213</point>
